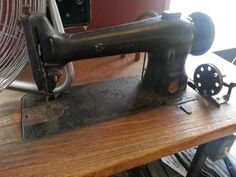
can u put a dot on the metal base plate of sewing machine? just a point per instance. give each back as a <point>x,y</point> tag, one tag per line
<point>86,105</point>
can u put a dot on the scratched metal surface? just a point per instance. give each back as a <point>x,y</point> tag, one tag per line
<point>89,104</point>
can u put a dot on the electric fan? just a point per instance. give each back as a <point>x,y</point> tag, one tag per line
<point>13,52</point>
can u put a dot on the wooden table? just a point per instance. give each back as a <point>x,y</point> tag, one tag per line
<point>108,148</point>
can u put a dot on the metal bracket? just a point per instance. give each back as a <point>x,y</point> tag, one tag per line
<point>215,150</point>
<point>208,81</point>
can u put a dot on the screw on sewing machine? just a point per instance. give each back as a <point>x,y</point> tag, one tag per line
<point>99,47</point>
<point>54,76</point>
<point>79,2</point>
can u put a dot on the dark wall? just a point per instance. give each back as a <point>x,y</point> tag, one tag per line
<point>113,12</point>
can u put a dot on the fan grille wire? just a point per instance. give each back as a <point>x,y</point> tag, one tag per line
<point>13,52</point>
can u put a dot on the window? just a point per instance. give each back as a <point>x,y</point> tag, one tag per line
<point>223,14</point>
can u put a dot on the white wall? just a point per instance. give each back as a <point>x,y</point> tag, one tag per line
<point>223,14</point>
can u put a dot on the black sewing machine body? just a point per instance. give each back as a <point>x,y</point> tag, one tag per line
<point>168,39</point>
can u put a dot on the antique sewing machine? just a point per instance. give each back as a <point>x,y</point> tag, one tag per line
<point>167,38</point>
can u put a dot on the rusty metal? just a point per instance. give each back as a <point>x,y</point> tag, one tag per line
<point>89,104</point>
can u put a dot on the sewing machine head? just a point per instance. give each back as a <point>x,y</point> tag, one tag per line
<point>167,38</point>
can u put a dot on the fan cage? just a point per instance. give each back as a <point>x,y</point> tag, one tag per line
<point>13,52</point>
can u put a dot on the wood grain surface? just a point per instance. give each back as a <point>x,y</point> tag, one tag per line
<point>108,148</point>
